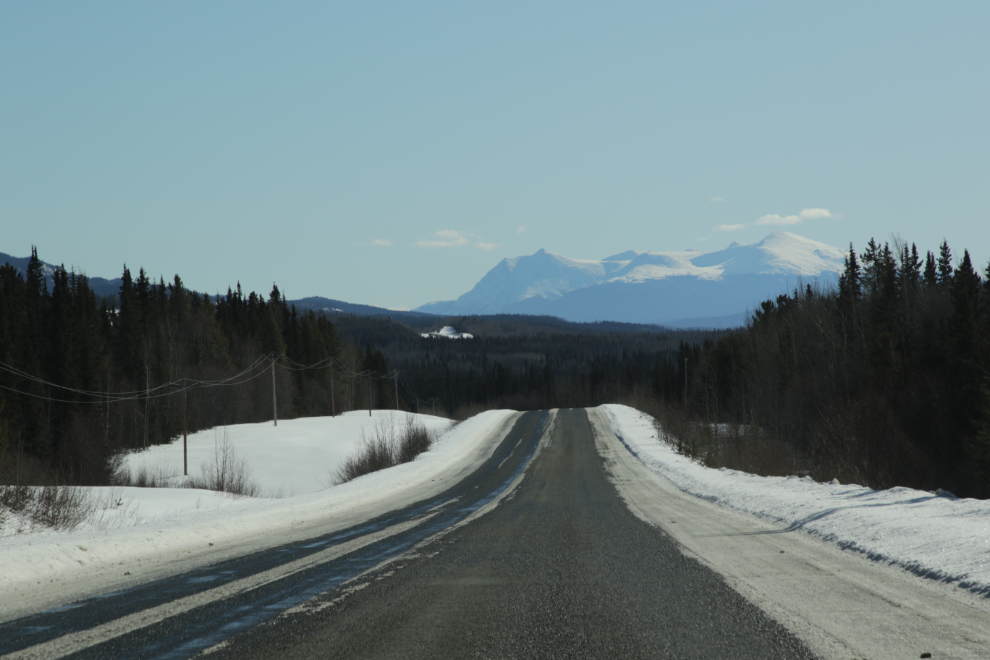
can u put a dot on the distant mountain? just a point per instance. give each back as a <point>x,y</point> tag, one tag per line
<point>330,306</point>
<point>681,289</point>
<point>100,286</point>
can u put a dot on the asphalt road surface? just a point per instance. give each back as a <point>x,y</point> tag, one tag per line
<point>561,569</point>
<point>533,556</point>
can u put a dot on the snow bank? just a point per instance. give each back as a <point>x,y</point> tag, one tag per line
<point>934,536</point>
<point>161,524</point>
<point>296,457</point>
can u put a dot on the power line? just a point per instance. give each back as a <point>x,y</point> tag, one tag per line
<point>181,385</point>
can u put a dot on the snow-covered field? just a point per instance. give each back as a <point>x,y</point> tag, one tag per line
<point>292,464</point>
<point>938,537</point>
<point>297,457</point>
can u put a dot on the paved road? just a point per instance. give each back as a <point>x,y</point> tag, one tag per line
<point>181,616</point>
<point>561,569</point>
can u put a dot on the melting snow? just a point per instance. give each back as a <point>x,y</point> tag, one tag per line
<point>933,535</point>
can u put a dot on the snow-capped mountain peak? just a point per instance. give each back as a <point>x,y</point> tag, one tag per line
<point>641,286</point>
<point>780,253</point>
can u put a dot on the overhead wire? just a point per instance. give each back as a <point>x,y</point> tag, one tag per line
<point>179,385</point>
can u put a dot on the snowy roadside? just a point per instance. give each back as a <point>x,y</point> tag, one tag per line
<point>153,526</point>
<point>941,538</point>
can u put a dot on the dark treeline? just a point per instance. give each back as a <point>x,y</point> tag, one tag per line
<point>506,366</point>
<point>58,347</point>
<point>883,382</point>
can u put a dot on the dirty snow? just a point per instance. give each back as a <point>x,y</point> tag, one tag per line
<point>933,535</point>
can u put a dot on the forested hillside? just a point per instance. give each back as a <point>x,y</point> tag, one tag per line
<point>884,382</point>
<point>541,369</point>
<point>81,380</point>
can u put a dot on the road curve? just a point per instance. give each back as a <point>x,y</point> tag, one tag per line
<point>561,569</point>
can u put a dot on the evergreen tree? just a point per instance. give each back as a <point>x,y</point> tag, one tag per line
<point>931,272</point>
<point>849,282</point>
<point>944,264</point>
<point>871,273</point>
<point>910,271</point>
<point>36,282</point>
<point>966,310</point>
<point>270,333</point>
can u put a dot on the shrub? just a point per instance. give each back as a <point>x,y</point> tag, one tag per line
<point>158,476</point>
<point>386,447</point>
<point>415,440</point>
<point>57,507</point>
<point>742,447</point>
<point>226,472</point>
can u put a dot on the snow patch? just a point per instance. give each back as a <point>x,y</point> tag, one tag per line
<point>449,332</point>
<point>934,535</point>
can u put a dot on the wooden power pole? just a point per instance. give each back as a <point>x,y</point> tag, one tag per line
<point>274,401</point>
<point>185,430</point>
<point>396,389</point>
<point>333,407</point>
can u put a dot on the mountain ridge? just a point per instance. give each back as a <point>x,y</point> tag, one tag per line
<point>650,287</point>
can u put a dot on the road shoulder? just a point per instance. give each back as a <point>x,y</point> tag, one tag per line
<point>839,603</point>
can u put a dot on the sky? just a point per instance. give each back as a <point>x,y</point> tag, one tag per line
<point>392,153</point>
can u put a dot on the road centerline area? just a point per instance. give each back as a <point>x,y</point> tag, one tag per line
<point>561,568</point>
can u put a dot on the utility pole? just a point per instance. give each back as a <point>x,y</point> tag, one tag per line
<point>396,389</point>
<point>333,407</point>
<point>369,394</point>
<point>185,430</point>
<point>147,390</point>
<point>274,401</point>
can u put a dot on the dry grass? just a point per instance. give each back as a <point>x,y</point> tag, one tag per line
<point>388,445</point>
<point>57,507</point>
<point>158,476</point>
<point>740,447</point>
<point>225,472</point>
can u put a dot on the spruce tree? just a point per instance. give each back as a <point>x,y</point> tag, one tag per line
<point>849,284</point>
<point>871,276</point>
<point>36,281</point>
<point>944,264</point>
<point>931,272</point>
<point>910,271</point>
<point>966,296</point>
<point>965,344</point>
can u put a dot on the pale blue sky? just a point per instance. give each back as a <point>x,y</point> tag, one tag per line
<point>392,153</point>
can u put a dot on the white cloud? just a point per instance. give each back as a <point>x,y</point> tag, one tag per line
<point>452,238</point>
<point>805,214</point>
<point>774,219</point>
<point>445,238</point>
<point>814,214</point>
<point>716,200</point>
<point>730,227</point>
<point>384,242</point>
<point>521,230</point>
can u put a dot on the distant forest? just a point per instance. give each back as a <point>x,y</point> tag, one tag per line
<point>81,381</point>
<point>885,381</point>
